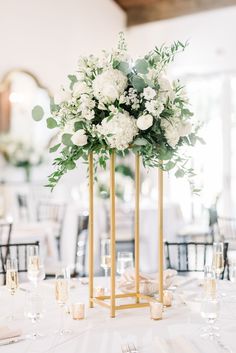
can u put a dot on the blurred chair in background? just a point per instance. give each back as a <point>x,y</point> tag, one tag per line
<point>53,212</point>
<point>18,251</point>
<point>81,246</point>
<point>192,257</point>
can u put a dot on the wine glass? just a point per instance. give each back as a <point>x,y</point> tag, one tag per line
<point>34,311</point>
<point>106,258</point>
<point>232,276</point>
<point>209,282</point>
<point>33,264</point>
<point>12,281</point>
<point>62,292</point>
<point>210,312</point>
<point>124,262</point>
<point>218,262</point>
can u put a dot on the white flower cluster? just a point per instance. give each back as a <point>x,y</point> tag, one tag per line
<point>119,131</point>
<point>109,85</point>
<point>174,129</point>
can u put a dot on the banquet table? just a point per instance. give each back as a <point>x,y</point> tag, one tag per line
<point>101,334</point>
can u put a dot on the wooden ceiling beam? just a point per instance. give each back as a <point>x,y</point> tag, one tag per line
<point>143,11</point>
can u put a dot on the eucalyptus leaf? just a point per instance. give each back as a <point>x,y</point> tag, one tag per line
<point>37,113</point>
<point>51,123</point>
<point>124,67</point>
<point>141,66</point>
<point>66,139</point>
<point>138,83</point>
<point>78,125</point>
<point>179,173</point>
<point>54,148</point>
<point>70,165</point>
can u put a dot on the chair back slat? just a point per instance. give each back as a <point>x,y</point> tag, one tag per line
<point>81,246</point>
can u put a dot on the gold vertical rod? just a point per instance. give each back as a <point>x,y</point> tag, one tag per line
<point>160,232</point>
<point>91,230</point>
<point>136,233</point>
<point>113,234</point>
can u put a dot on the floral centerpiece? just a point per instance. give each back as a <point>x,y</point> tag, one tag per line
<point>114,103</point>
<point>19,153</point>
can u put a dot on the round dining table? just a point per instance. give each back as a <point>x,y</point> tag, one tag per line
<point>179,331</point>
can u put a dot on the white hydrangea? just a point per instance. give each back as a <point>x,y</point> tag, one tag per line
<point>120,130</point>
<point>174,129</point>
<point>145,121</point>
<point>149,93</point>
<point>109,85</point>
<point>154,107</point>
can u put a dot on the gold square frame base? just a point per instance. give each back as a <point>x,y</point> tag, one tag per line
<point>101,300</point>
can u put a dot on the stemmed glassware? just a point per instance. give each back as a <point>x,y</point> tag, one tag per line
<point>34,311</point>
<point>62,291</point>
<point>12,281</point>
<point>33,264</point>
<point>218,261</point>
<point>106,258</point>
<point>209,282</point>
<point>210,312</point>
<point>125,261</point>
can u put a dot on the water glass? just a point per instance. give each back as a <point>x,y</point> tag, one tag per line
<point>34,311</point>
<point>124,262</point>
<point>210,312</point>
<point>106,258</point>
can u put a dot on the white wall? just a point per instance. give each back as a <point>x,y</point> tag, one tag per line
<point>47,36</point>
<point>211,36</point>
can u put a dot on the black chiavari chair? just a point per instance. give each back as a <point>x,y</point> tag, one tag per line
<point>53,212</point>
<point>17,250</point>
<point>191,256</point>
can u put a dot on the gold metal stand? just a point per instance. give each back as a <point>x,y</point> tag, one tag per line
<point>140,300</point>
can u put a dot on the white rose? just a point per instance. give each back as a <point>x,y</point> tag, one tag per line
<point>149,93</point>
<point>109,85</point>
<point>79,138</point>
<point>185,128</point>
<point>144,122</point>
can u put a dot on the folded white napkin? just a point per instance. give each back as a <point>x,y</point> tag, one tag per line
<point>6,332</point>
<point>148,283</point>
<point>175,345</point>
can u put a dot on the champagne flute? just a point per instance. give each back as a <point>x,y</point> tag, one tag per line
<point>12,281</point>
<point>62,291</point>
<point>124,262</point>
<point>106,258</point>
<point>210,312</point>
<point>34,311</point>
<point>209,282</point>
<point>218,261</point>
<point>33,264</point>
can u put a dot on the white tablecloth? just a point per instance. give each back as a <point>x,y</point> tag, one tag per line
<point>101,334</point>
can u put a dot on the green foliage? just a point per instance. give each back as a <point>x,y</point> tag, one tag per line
<point>51,123</point>
<point>37,113</point>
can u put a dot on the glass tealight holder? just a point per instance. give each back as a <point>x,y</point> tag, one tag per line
<point>156,310</point>
<point>167,298</point>
<point>78,311</point>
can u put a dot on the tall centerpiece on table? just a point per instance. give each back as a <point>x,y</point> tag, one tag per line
<point>115,104</point>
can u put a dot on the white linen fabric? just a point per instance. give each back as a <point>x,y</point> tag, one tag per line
<point>178,332</point>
